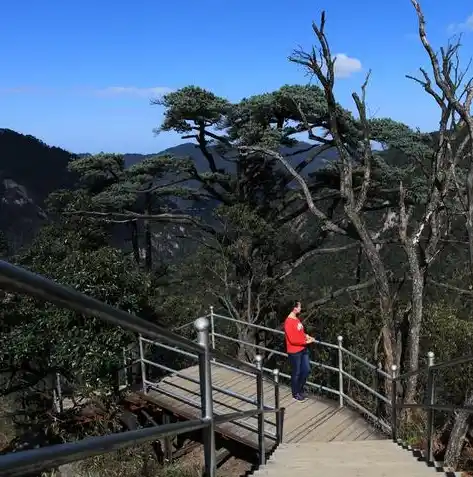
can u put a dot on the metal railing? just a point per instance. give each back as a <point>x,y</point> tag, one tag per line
<point>242,399</point>
<point>343,375</point>
<point>394,379</point>
<point>204,350</point>
<point>17,279</point>
<point>429,404</point>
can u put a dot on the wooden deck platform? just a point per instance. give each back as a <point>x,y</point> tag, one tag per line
<point>316,419</point>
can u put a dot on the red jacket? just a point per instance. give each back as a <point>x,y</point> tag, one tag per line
<point>295,335</point>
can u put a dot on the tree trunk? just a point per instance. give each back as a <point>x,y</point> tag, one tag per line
<point>378,269</point>
<point>148,235</point>
<point>458,434</point>
<point>134,242</point>
<point>417,302</point>
<point>246,352</point>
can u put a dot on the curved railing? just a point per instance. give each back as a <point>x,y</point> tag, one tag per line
<point>390,423</point>
<point>338,370</point>
<point>148,363</point>
<point>16,464</point>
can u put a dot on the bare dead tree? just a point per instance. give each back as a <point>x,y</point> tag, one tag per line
<point>420,238</point>
<point>453,92</point>
<point>321,64</point>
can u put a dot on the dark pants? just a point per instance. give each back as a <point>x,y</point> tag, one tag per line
<point>300,369</point>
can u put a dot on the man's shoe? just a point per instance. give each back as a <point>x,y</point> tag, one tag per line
<point>300,398</point>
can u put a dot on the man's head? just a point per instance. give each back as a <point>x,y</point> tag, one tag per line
<point>296,309</point>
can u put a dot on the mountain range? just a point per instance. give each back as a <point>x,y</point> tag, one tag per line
<point>30,170</point>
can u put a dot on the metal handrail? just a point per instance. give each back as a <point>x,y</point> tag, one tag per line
<point>17,279</point>
<point>339,370</point>
<point>197,405</point>
<point>429,404</point>
<point>443,364</point>
<point>325,344</point>
<point>20,280</point>
<point>264,348</point>
<point>265,328</point>
<point>17,464</point>
<point>225,391</point>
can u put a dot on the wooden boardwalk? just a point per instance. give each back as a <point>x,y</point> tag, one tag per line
<point>316,419</point>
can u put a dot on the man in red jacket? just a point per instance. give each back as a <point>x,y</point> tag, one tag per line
<point>296,347</point>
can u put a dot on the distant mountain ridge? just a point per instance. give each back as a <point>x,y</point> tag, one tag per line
<point>30,170</point>
<point>298,153</point>
<point>192,150</point>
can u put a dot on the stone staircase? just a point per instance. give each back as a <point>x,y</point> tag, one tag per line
<point>372,458</point>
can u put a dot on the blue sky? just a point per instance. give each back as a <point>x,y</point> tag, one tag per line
<point>80,74</point>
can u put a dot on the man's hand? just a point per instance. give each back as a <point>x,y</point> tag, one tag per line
<point>309,339</point>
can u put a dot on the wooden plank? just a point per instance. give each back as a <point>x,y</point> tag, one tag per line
<point>353,432</point>
<point>303,429</point>
<point>316,419</point>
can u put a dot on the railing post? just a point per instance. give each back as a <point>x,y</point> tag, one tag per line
<point>430,398</point>
<point>376,388</point>
<point>277,405</point>
<point>143,367</point>
<point>340,370</point>
<point>260,403</point>
<point>205,376</point>
<point>394,402</point>
<point>59,392</point>
<point>212,327</point>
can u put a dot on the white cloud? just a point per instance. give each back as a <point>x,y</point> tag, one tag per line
<point>152,92</point>
<point>346,66</point>
<point>467,25</point>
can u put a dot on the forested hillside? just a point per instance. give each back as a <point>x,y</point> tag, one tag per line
<point>377,243</point>
<point>29,171</point>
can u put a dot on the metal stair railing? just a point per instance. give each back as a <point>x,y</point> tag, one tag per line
<point>16,464</point>
<point>394,379</point>
<point>146,363</point>
<point>429,403</point>
<point>343,375</point>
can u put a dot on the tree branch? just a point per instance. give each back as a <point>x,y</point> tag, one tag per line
<point>341,291</point>
<point>317,251</point>
<point>446,286</point>
<point>328,224</point>
<point>129,215</point>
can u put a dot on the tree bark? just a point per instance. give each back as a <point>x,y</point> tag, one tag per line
<point>148,235</point>
<point>246,352</point>
<point>134,242</point>
<point>417,303</point>
<point>458,434</point>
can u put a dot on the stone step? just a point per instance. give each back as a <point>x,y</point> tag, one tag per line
<point>375,458</point>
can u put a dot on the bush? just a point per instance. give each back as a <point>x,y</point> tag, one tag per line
<point>135,461</point>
